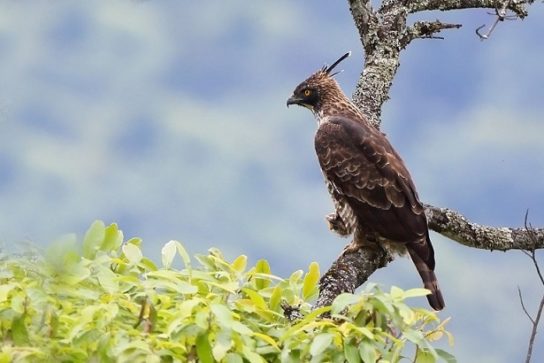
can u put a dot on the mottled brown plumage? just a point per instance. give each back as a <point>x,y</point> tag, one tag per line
<point>372,190</point>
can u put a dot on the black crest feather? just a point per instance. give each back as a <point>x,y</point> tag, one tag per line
<point>330,68</point>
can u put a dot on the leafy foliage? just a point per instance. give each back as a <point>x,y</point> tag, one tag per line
<point>104,301</point>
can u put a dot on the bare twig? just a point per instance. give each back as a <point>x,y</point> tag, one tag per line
<point>534,321</point>
<point>534,330</point>
<point>488,33</point>
<point>425,29</point>
<point>524,308</point>
<point>531,252</point>
<point>500,16</point>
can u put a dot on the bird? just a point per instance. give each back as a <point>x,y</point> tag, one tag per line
<point>374,196</point>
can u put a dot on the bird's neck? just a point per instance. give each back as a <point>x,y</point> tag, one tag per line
<point>339,106</point>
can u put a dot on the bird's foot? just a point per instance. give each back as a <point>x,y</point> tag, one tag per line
<point>336,224</point>
<point>352,247</point>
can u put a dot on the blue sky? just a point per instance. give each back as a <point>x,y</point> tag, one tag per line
<point>169,118</point>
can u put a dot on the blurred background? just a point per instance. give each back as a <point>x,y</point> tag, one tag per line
<point>169,118</point>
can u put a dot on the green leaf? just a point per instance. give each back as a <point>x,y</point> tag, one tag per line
<point>267,339</point>
<point>233,358</point>
<point>230,287</point>
<point>240,263</point>
<point>256,298</point>
<point>19,333</point>
<point>223,315</point>
<point>309,287</point>
<point>342,301</point>
<point>275,298</point>
<point>119,306</point>
<point>204,349</point>
<point>366,332</point>
<point>223,342</point>
<point>451,340</point>
<point>414,336</point>
<point>147,264</point>
<point>251,356</point>
<point>241,328</point>
<point>77,292</point>
<point>93,239</point>
<point>367,352</point>
<point>397,293</point>
<point>383,303</point>
<point>424,356</point>
<point>296,276</point>
<point>447,357</point>
<point>5,290</point>
<point>108,280</point>
<point>407,314</point>
<point>417,292</point>
<point>352,353</point>
<point>263,267</point>
<point>62,254</point>
<point>170,280</point>
<point>311,317</point>
<point>76,274</point>
<point>7,358</point>
<point>134,241</point>
<point>320,343</point>
<point>168,252</point>
<point>187,288</point>
<point>132,253</point>
<point>113,238</point>
<point>184,256</point>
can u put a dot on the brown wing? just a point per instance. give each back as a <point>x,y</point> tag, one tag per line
<point>362,167</point>
<point>365,171</point>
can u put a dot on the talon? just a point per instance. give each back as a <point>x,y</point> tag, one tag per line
<point>352,247</point>
<point>332,218</point>
<point>334,221</point>
<point>336,224</point>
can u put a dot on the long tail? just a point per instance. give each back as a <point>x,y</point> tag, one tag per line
<point>425,268</point>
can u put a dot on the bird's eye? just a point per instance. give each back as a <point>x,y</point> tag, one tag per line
<point>307,92</point>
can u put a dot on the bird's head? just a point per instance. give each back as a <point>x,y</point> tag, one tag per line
<point>318,88</point>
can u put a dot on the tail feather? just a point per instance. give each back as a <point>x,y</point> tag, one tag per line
<point>436,300</point>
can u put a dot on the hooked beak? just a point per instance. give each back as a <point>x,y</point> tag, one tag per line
<point>293,100</point>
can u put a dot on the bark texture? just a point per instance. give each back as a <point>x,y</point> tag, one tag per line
<point>384,33</point>
<point>456,227</point>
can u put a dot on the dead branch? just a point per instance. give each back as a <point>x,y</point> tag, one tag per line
<point>534,331</point>
<point>531,253</point>
<point>456,227</point>
<point>425,29</point>
<point>516,6</point>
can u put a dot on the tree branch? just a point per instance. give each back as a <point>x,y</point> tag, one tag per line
<point>425,29</point>
<point>365,19</point>
<point>524,308</point>
<point>350,270</point>
<point>531,253</point>
<point>518,7</point>
<point>456,227</point>
<point>384,33</point>
<point>381,60</point>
